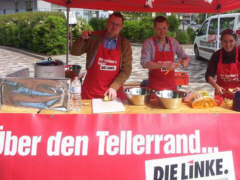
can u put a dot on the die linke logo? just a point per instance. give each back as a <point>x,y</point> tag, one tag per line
<point>212,166</point>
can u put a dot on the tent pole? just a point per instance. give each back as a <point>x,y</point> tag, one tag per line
<point>67,44</point>
<point>218,31</point>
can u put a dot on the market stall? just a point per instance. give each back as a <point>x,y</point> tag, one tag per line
<point>141,142</point>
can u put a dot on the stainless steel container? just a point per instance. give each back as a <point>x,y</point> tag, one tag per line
<point>49,69</point>
<point>138,96</point>
<point>36,93</point>
<point>170,99</point>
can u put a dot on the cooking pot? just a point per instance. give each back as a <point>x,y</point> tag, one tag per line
<point>72,71</point>
<point>49,69</point>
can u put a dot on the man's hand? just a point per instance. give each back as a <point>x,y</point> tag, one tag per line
<point>169,65</point>
<point>111,93</point>
<point>86,34</point>
<point>184,62</point>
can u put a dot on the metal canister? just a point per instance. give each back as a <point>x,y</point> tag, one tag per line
<point>49,69</point>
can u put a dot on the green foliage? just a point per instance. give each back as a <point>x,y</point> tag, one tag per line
<point>131,30</point>
<point>98,24</point>
<point>171,34</point>
<point>182,37</point>
<point>19,30</point>
<point>49,37</point>
<point>201,18</point>
<point>173,23</point>
<point>138,30</point>
<point>236,11</point>
<point>135,15</point>
<point>81,26</point>
<point>191,34</point>
<point>146,28</point>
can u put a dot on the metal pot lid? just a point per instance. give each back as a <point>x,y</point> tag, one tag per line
<point>49,62</point>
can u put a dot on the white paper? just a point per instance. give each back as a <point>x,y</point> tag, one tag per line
<point>101,106</point>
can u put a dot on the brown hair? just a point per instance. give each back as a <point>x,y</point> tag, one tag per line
<point>160,19</point>
<point>229,32</point>
<point>117,14</point>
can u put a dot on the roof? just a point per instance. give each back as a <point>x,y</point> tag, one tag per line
<point>183,6</point>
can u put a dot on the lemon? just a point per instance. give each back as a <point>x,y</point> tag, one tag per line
<point>106,98</point>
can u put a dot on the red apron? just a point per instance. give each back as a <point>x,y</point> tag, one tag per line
<point>157,79</point>
<point>101,74</point>
<point>228,74</point>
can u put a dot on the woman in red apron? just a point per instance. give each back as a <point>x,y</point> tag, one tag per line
<point>228,66</point>
<point>103,71</point>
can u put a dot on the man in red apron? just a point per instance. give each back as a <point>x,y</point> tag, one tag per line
<point>158,56</point>
<point>162,78</point>
<point>110,60</point>
<point>103,71</point>
<point>225,64</point>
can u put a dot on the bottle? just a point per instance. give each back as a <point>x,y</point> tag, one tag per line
<point>76,94</point>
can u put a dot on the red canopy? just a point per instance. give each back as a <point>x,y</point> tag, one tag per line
<point>187,6</point>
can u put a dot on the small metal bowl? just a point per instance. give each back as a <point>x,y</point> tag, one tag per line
<point>170,99</point>
<point>137,95</point>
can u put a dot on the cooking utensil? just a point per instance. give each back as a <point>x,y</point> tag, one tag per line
<point>138,96</point>
<point>170,99</point>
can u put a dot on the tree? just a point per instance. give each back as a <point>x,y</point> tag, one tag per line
<point>135,15</point>
<point>173,23</point>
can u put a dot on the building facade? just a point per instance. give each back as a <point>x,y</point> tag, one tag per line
<point>15,6</point>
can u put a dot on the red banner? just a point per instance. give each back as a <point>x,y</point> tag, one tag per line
<point>112,147</point>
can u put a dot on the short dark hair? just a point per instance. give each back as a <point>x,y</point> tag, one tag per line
<point>229,32</point>
<point>160,19</point>
<point>117,14</point>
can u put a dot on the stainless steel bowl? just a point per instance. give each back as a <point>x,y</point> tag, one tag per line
<point>137,95</point>
<point>170,99</point>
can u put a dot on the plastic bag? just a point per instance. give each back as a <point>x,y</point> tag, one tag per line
<point>201,100</point>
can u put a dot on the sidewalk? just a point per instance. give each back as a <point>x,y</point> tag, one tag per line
<point>13,59</point>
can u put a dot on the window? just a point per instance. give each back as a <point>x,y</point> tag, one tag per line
<point>203,30</point>
<point>16,6</point>
<point>29,5</point>
<point>213,26</point>
<point>226,23</point>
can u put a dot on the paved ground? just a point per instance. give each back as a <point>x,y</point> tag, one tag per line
<point>14,59</point>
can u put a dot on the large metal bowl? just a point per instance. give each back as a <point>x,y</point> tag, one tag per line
<point>137,95</point>
<point>170,99</point>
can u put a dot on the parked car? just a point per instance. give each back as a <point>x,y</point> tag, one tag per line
<point>207,39</point>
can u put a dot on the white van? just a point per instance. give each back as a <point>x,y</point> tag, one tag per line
<point>207,39</point>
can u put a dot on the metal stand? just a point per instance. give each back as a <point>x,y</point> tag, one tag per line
<point>67,44</point>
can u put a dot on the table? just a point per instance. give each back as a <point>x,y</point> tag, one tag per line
<point>143,143</point>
